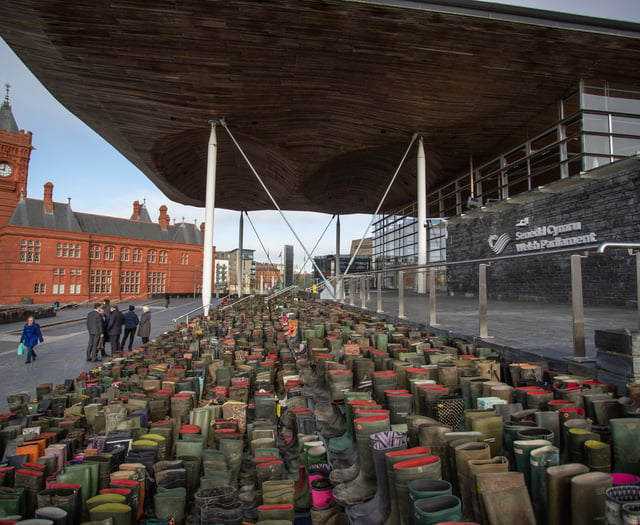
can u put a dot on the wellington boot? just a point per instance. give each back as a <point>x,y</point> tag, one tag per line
<point>616,499</point>
<point>100,499</point>
<point>232,449</point>
<point>577,438</point>
<point>12,502</point>
<point>559,492</point>
<point>509,435</point>
<point>452,440</point>
<point>597,455</point>
<point>464,453</point>
<point>433,437</point>
<point>55,514</point>
<point>427,467</point>
<point>505,499</point>
<point>170,503</point>
<point>625,436</point>
<point>428,488</point>
<point>121,514</point>
<point>364,486</point>
<point>588,498</point>
<point>435,510</point>
<point>522,449</point>
<point>278,492</point>
<point>330,515</point>
<point>376,511</point>
<point>491,428</point>
<point>276,512</point>
<point>541,459</point>
<point>497,464</point>
<point>391,458</point>
<point>549,419</point>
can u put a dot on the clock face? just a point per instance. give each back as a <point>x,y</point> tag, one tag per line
<point>5,169</point>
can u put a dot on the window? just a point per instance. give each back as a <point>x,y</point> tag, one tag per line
<point>130,282</point>
<point>163,256</point>
<point>100,281</point>
<point>94,252</point>
<point>29,251</point>
<point>151,256</point>
<point>156,282</point>
<point>137,255</point>
<point>64,249</point>
<point>184,258</point>
<point>124,254</point>
<point>109,253</point>
<point>39,288</point>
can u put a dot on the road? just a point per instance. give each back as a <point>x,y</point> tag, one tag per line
<point>63,354</point>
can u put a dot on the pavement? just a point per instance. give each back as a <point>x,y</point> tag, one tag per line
<point>63,353</point>
<point>520,331</point>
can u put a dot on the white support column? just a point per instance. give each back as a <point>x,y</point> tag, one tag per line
<point>422,214</point>
<point>240,241</point>
<point>207,254</point>
<point>336,289</point>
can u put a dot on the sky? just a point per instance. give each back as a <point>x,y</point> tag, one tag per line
<point>98,179</point>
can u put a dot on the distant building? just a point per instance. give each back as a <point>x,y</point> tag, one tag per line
<point>269,277</point>
<point>248,271</point>
<point>49,253</point>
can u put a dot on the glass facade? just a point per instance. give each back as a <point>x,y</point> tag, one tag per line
<point>594,125</point>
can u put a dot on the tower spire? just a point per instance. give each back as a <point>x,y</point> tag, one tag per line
<point>7,122</point>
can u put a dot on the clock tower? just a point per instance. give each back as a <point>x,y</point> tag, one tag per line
<point>15,151</point>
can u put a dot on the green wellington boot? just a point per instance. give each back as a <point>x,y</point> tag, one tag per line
<point>559,491</point>
<point>431,511</point>
<point>121,514</point>
<point>588,498</point>
<point>625,436</point>
<point>522,449</point>
<point>464,453</point>
<point>364,486</point>
<point>540,460</point>
<point>426,467</point>
<point>170,503</point>
<point>597,455</point>
<point>497,464</point>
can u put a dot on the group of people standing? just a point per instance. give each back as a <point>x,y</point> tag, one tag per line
<point>105,323</point>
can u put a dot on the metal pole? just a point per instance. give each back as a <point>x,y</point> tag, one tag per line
<point>421,177</point>
<point>482,300</point>
<point>210,197</point>
<point>336,291</point>
<point>432,297</point>
<point>379,293</point>
<point>363,293</point>
<point>577,307</point>
<point>240,242</point>
<point>352,292</point>
<point>401,294</point>
<point>638,285</point>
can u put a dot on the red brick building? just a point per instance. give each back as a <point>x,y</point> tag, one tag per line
<point>50,253</point>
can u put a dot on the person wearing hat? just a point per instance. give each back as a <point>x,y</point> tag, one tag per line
<point>144,329</point>
<point>131,321</point>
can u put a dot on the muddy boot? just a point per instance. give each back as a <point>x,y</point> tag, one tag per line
<point>505,498</point>
<point>588,498</point>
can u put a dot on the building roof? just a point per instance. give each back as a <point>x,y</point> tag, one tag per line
<point>7,121</point>
<point>31,213</point>
<point>322,97</point>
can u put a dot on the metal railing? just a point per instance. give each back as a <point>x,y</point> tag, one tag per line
<point>360,283</point>
<point>288,289</point>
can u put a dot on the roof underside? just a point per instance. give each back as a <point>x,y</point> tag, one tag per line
<point>323,97</point>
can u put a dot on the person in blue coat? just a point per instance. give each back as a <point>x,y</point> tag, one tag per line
<point>31,336</point>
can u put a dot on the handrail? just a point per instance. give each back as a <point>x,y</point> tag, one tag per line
<point>175,321</point>
<point>577,253</point>
<point>229,305</point>
<point>291,288</point>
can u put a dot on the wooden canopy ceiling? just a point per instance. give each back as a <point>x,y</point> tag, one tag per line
<point>322,96</point>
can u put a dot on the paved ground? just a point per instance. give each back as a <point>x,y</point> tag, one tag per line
<point>63,354</point>
<point>530,331</point>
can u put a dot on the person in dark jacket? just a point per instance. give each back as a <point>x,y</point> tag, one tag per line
<point>131,321</point>
<point>95,327</point>
<point>114,328</point>
<point>31,336</point>
<point>144,330</point>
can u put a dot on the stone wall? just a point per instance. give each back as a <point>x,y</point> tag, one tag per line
<point>605,207</point>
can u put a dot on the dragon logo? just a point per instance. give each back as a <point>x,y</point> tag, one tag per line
<point>498,244</point>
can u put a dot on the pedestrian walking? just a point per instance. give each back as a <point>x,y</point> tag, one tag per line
<point>167,299</point>
<point>131,322</point>
<point>95,327</point>
<point>31,336</point>
<point>114,328</point>
<point>144,329</point>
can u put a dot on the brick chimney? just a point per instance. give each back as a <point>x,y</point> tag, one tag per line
<point>136,211</point>
<point>48,197</point>
<point>164,219</point>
